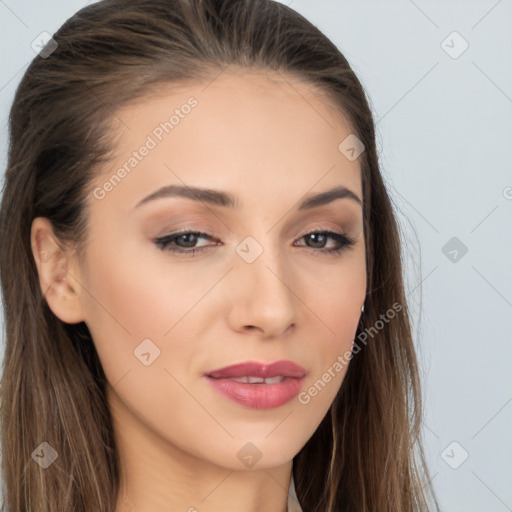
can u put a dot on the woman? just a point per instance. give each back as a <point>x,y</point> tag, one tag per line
<point>201,273</point>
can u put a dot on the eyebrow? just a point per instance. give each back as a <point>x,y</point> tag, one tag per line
<point>227,200</point>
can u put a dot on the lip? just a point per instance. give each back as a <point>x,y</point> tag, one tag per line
<point>256,369</point>
<point>258,395</point>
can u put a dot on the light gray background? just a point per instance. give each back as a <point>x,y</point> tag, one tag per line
<point>444,135</point>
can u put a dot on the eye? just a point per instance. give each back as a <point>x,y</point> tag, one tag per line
<point>184,241</point>
<point>186,237</point>
<point>320,238</point>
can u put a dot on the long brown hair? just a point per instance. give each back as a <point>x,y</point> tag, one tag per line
<point>366,454</point>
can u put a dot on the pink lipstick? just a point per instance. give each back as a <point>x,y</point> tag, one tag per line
<point>258,385</point>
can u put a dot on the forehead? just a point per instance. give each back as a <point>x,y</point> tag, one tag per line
<point>236,96</point>
<point>238,129</point>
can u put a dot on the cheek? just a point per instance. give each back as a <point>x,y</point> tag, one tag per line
<point>130,310</point>
<point>127,302</point>
<point>335,315</point>
<point>336,299</point>
<point>139,294</point>
<point>146,309</point>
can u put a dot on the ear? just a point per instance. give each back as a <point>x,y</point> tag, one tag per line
<point>58,271</point>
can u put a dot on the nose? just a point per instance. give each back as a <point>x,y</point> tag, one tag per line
<point>263,298</point>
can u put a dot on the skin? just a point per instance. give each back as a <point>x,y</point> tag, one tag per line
<point>270,145</point>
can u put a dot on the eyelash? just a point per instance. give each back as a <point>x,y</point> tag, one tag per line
<point>164,243</point>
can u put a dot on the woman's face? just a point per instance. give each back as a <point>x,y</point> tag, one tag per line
<point>250,286</point>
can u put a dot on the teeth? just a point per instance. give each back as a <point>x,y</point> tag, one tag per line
<point>259,380</point>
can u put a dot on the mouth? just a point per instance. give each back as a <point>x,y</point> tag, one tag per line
<point>258,385</point>
<point>255,369</point>
<point>256,380</point>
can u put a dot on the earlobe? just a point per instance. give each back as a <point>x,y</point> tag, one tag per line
<point>53,261</point>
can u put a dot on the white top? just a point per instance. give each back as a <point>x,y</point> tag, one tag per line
<point>293,503</point>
